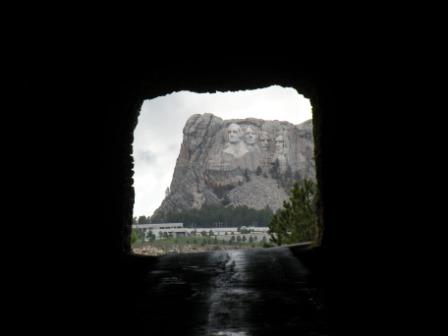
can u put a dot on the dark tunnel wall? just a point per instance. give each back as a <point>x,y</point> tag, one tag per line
<point>341,161</point>
<point>360,142</point>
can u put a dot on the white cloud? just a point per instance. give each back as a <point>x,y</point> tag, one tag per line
<point>158,135</point>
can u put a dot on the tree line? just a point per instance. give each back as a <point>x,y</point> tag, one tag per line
<point>295,222</point>
<point>217,216</point>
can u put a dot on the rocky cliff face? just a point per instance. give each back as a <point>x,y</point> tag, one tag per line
<point>248,162</point>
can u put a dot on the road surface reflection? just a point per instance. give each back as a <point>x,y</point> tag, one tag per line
<point>228,293</point>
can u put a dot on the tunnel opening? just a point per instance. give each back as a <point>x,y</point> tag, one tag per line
<point>154,289</point>
<point>201,184</point>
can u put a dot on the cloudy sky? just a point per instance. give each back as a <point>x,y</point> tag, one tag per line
<point>158,135</point>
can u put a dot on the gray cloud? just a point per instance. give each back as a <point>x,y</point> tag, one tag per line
<point>146,156</point>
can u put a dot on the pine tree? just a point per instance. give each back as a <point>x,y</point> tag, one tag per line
<point>296,221</point>
<point>275,170</point>
<point>225,201</point>
<point>246,175</point>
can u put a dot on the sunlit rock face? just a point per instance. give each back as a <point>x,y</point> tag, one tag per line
<point>250,162</point>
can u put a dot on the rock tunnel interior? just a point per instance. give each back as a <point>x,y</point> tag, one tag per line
<point>331,262</point>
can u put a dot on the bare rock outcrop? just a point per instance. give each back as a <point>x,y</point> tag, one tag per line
<point>250,162</point>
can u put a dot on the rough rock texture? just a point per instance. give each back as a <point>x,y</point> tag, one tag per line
<point>239,162</point>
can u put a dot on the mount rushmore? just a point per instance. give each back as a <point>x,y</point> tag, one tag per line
<point>250,162</point>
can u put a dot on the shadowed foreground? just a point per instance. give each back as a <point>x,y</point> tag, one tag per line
<point>240,292</point>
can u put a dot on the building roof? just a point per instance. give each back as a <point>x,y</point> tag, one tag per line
<point>157,225</point>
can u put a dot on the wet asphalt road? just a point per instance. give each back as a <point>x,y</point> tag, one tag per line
<point>241,292</point>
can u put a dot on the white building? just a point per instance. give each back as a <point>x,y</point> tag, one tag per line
<point>158,226</point>
<point>177,230</point>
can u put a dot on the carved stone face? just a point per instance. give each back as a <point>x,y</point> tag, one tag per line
<point>264,140</point>
<point>234,132</point>
<point>279,144</point>
<point>251,136</point>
